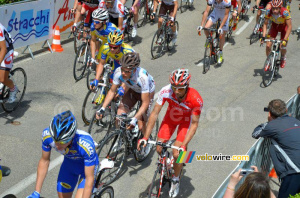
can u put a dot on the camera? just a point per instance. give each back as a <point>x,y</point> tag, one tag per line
<point>245,172</point>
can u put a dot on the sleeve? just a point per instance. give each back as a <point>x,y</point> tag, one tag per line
<point>46,140</point>
<point>105,51</point>
<point>87,151</point>
<point>145,84</point>
<point>117,75</point>
<point>286,14</point>
<point>161,99</point>
<point>264,130</point>
<point>101,4</point>
<point>121,10</point>
<point>2,38</point>
<point>210,2</point>
<point>198,104</point>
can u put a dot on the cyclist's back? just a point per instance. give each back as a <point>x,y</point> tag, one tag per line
<point>102,34</point>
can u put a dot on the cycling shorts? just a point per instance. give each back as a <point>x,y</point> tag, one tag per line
<point>7,63</point>
<point>167,128</point>
<point>214,16</point>
<point>130,98</point>
<point>70,173</point>
<point>164,8</point>
<point>263,4</point>
<point>275,28</point>
<point>88,18</point>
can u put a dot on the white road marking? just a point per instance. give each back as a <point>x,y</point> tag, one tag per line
<point>23,184</point>
<point>244,26</point>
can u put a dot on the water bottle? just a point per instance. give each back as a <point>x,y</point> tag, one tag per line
<point>215,43</point>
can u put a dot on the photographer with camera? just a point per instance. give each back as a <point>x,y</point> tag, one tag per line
<point>255,185</point>
<point>284,133</point>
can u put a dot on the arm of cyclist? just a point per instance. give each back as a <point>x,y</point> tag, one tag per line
<point>89,181</point>
<point>109,97</point>
<point>155,3</point>
<point>3,50</point>
<point>262,40</point>
<point>151,123</point>
<point>175,9</point>
<point>99,71</point>
<point>204,17</point>
<point>93,46</point>
<point>240,7</point>
<point>192,130</point>
<point>145,104</point>
<point>227,11</point>
<point>289,29</point>
<point>74,6</point>
<point>41,173</point>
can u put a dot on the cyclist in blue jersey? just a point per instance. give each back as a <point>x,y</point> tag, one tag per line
<point>80,158</point>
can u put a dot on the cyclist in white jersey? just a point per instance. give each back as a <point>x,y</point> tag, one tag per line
<point>6,60</point>
<point>116,12</point>
<point>139,86</point>
<point>221,11</point>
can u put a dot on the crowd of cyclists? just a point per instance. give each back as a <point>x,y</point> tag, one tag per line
<point>106,21</point>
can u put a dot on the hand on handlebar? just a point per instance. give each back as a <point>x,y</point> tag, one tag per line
<point>142,142</point>
<point>100,113</point>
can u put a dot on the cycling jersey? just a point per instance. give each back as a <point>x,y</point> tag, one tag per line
<point>102,34</point>
<point>279,19</point>
<point>178,114</point>
<point>117,11</point>
<point>234,3</point>
<point>79,154</point>
<point>219,7</point>
<point>169,2</point>
<point>104,53</point>
<point>140,82</point>
<point>7,62</point>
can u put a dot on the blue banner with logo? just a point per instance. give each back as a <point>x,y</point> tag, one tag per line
<point>29,22</point>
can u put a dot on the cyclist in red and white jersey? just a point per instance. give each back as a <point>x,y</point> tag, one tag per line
<point>116,12</point>
<point>185,104</point>
<point>6,60</point>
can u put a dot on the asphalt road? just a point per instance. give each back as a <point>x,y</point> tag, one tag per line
<point>233,105</point>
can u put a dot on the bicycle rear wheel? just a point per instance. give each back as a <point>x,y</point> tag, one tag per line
<point>268,70</point>
<point>207,56</point>
<point>78,37</point>
<point>113,148</point>
<point>157,48</point>
<point>142,14</point>
<point>155,187</point>
<point>19,77</point>
<point>80,62</point>
<point>171,45</point>
<point>229,33</point>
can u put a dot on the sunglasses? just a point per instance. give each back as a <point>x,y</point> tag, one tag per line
<point>126,71</point>
<point>178,88</point>
<point>113,46</point>
<point>97,22</point>
<point>62,142</point>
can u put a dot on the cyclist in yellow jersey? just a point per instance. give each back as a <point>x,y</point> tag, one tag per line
<point>100,29</point>
<point>115,49</point>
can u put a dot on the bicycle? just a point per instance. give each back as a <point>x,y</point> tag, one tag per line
<point>272,63</point>
<point>83,56</point>
<point>145,10</point>
<point>184,4</point>
<point>120,143</point>
<point>296,32</point>
<point>78,36</point>
<point>257,31</point>
<point>230,26</point>
<point>212,48</point>
<point>4,172</point>
<point>19,77</point>
<point>245,8</point>
<point>165,33</point>
<point>128,23</point>
<point>164,170</point>
<point>95,98</point>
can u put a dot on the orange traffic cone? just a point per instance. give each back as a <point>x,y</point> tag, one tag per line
<point>56,47</point>
<point>273,173</point>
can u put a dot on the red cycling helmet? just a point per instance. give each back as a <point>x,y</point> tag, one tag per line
<point>180,77</point>
<point>276,3</point>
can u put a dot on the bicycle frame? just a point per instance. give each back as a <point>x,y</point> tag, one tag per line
<point>275,51</point>
<point>107,72</point>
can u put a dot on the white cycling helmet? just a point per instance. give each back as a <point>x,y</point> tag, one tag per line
<point>100,14</point>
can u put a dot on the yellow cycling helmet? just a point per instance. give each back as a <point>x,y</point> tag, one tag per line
<point>115,37</point>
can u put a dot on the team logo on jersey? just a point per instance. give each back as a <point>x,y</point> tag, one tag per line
<point>73,151</point>
<point>86,146</point>
<point>286,13</point>
<point>65,185</point>
<point>9,59</point>
<point>1,33</point>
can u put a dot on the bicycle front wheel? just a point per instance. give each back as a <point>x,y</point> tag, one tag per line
<point>158,44</point>
<point>207,56</point>
<point>90,104</point>
<point>112,148</point>
<point>80,63</point>
<point>269,70</point>
<point>142,14</point>
<point>155,187</point>
<point>19,77</point>
<point>78,37</point>
<point>183,5</point>
<point>106,192</point>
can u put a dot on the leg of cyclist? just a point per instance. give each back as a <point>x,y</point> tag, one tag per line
<point>173,12</point>
<point>166,130</point>
<point>81,183</point>
<point>283,47</point>
<point>222,39</point>
<point>135,9</point>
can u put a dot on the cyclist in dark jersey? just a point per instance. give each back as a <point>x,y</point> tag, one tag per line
<point>6,61</point>
<point>261,4</point>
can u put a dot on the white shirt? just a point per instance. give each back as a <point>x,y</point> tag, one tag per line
<point>117,11</point>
